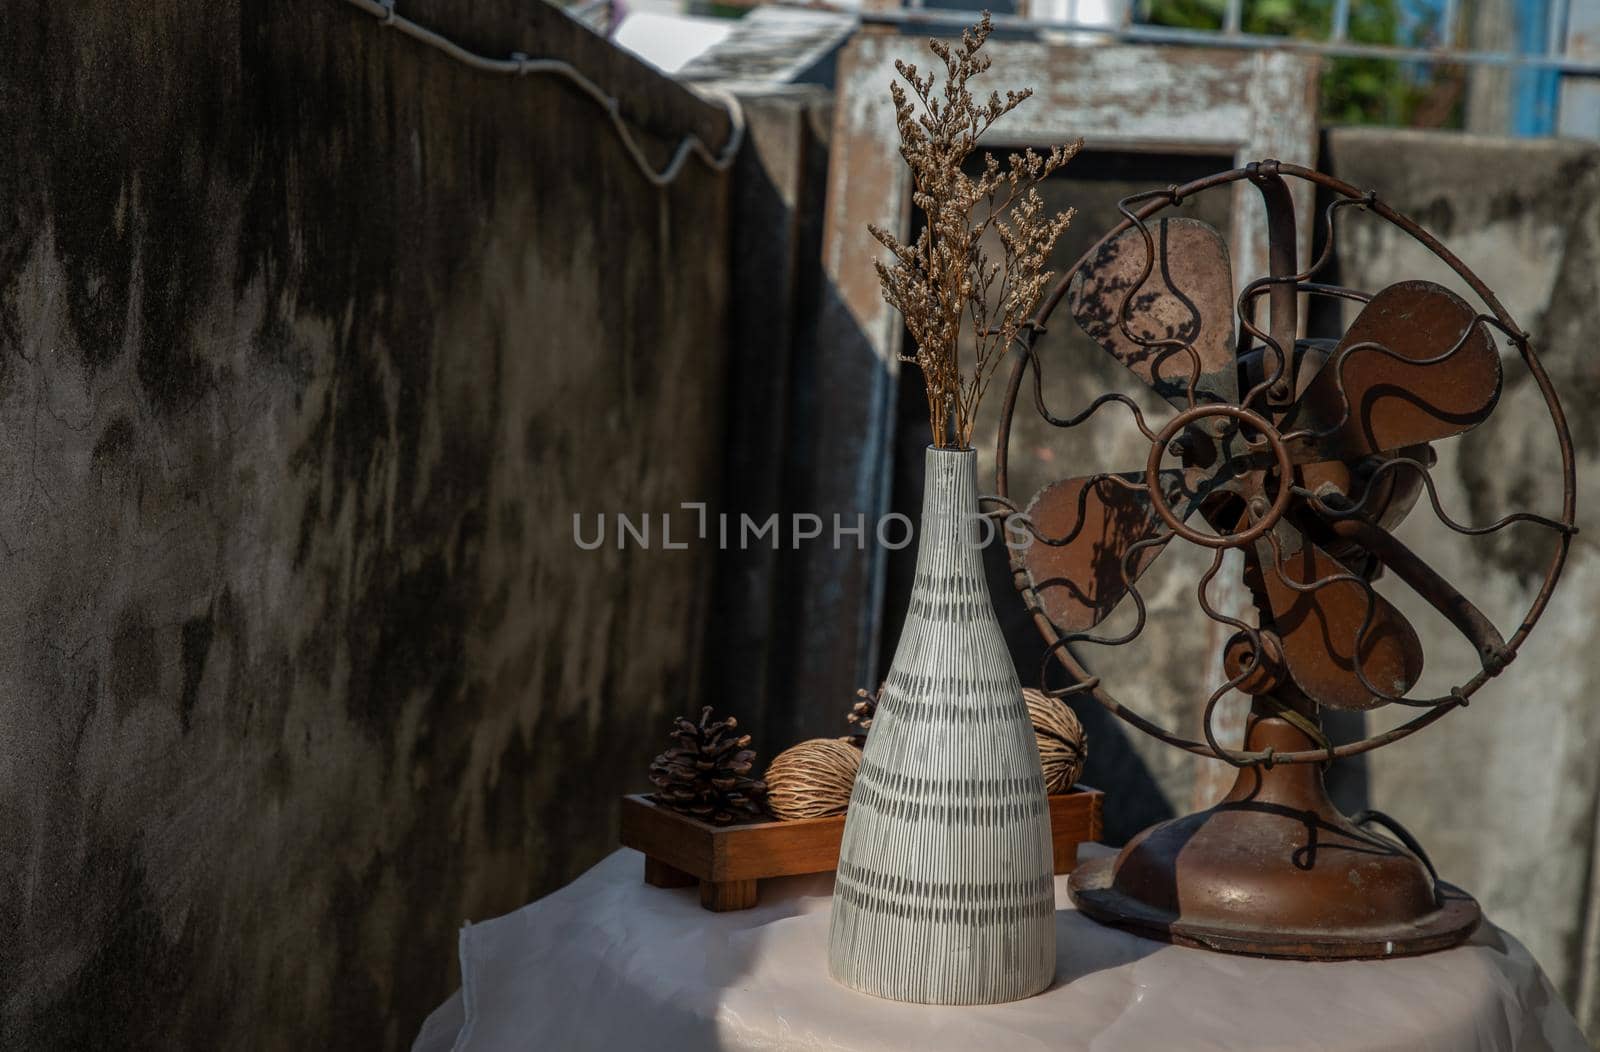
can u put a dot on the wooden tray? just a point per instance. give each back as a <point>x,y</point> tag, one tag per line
<point>727,861</point>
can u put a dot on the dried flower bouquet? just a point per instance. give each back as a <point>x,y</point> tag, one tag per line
<point>947,279</point>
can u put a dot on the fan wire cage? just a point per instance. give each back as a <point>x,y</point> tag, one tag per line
<point>1261,418</point>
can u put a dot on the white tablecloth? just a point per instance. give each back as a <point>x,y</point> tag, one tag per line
<point>611,963</point>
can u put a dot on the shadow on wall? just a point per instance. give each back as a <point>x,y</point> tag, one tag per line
<point>806,403</point>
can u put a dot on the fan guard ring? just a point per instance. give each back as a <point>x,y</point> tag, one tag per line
<point>1238,414</point>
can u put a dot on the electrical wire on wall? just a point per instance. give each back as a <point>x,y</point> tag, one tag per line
<point>520,64</point>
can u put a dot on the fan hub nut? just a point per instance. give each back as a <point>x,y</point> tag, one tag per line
<point>1195,448</point>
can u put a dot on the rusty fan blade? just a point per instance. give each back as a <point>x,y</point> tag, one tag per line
<point>1401,401</point>
<point>1188,296</point>
<point>1320,628</point>
<point>1093,521</point>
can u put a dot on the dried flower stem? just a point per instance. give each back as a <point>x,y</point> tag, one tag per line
<point>946,279</point>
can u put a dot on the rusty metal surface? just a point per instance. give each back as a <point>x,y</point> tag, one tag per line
<point>1422,579</point>
<point>1084,529</point>
<point>1159,299</point>
<point>1325,616</point>
<point>1303,455</point>
<point>1415,366</point>
<point>1275,870</point>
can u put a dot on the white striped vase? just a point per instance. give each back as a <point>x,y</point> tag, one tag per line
<point>945,892</point>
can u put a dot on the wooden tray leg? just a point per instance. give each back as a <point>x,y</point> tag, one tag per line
<point>659,874</point>
<point>1066,856</point>
<point>724,895</point>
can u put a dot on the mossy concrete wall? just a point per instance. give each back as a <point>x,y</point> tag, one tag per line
<point>312,340</point>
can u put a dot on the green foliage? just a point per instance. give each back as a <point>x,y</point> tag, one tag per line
<point>1354,90</point>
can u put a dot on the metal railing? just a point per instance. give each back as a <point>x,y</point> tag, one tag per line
<point>1232,34</point>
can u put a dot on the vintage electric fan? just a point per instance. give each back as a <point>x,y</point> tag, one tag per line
<point>1303,455</point>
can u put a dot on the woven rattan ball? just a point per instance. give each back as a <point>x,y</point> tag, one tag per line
<point>1062,743</point>
<point>813,779</point>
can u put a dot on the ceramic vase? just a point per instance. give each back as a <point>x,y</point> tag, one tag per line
<point>945,889</point>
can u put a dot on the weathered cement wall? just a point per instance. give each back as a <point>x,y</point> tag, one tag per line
<point>311,342</point>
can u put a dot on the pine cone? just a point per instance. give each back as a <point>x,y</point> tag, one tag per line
<point>707,773</point>
<point>862,712</point>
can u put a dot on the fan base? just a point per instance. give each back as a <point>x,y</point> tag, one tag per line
<point>1274,870</point>
<point>1096,897</point>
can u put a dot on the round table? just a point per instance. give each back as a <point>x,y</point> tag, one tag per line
<point>610,963</point>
